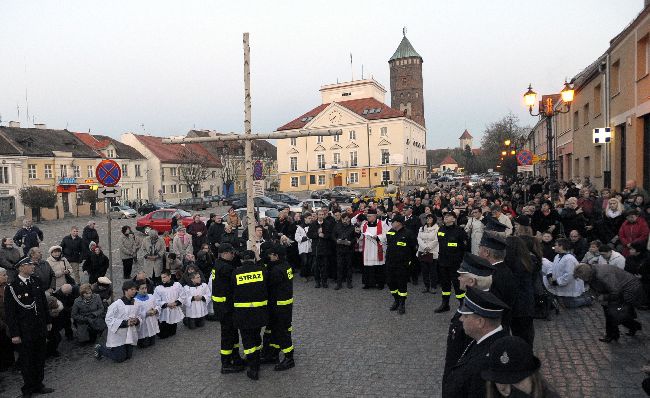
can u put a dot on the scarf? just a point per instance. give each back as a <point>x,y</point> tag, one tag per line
<point>380,249</point>
<point>613,214</point>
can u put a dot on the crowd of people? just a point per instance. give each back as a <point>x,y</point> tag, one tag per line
<point>509,250</point>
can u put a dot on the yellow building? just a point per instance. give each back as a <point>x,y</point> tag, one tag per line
<point>378,143</point>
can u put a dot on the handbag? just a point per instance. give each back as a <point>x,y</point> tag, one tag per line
<point>620,312</point>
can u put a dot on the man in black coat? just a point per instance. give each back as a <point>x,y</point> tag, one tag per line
<point>413,224</point>
<point>72,248</point>
<point>401,247</point>
<point>481,317</point>
<point>88,235</point>
<point>345,234</point>
<point>28,236</point>
<point>215,232</point>
<point>452,241</point>
<point>28,322</point>
<point>320,233</point>
<point>504,285</point>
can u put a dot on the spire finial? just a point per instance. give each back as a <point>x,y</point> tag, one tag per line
<point>404,31</point>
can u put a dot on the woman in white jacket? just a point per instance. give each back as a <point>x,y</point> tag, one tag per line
<point>474,229</point>
<point>304,244</point>
<point>428,253</point>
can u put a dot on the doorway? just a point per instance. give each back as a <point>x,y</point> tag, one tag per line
<point>338,180</point>
<point>7,209</point>
<point>66,202</point>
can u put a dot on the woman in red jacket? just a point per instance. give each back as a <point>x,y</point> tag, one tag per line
<point>634,230</point>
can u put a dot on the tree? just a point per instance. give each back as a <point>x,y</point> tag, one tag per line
<point>497,133</point>
<point>193,170</point>
<point>37,198</point>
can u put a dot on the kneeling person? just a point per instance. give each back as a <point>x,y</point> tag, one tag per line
<point>197,295</point>
<point>122,320</point>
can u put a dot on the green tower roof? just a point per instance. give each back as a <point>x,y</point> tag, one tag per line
<point>404,50</point>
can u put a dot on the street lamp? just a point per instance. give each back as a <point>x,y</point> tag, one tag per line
<point>548,111</point>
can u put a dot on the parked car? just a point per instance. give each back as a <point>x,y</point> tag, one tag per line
<point>263,212</point>
<point>121,211</point>
<point>343,194</point>
<point>261,201</point>
<point>314,205</point>
<point>214,198</point>
<point>321,193</point>
<point>228,200</point>
<point>285,198</point>
<point>148,208</point>
<point>161,220</point>
<point>193,204</point>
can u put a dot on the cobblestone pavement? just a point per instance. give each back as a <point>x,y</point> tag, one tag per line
<point>347,345</point>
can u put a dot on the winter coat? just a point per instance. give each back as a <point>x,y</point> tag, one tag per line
<point>194,229</point>
<point>8,260</point>
<point>153,246</point>
<point>96,265</point>
<point>90,314</point>
<point>73,248</point>
<point>619,286</point>
<point>45,275</point>
<point>320,246</point>
<point>29,237</point>
<point>572,220</point>
<point>214,232</point>
<point>89,235</point>
<point>608,228</point>
<point>182,245</point>
<point>128,246</point>
<point>232,239</point>
<point>59,266</point>
<point>474,229</point>
<point>633,233</point>
<point>428,240</point>
<point>616,259</point>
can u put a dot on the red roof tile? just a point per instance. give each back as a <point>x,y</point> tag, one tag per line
<point>465,135</point>
<point>171,153</point>
<point>448,160</point>
<point>357,106</point>
<point>476,151</point>
<point>92,142</point>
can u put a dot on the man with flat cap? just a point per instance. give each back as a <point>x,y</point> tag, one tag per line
<point>481,316</point>
<point>452,241</point>
<point>401,247</point>
<point>474,272</point>
<point>28,322</point>
<point>222,304</point>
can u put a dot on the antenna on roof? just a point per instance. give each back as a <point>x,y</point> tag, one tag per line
<point>361,71</point>
<point>404,31</point>
<point>142,125</point>
<point>351,67</point>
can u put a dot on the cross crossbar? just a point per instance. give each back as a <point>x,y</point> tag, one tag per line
<point>247,137</point>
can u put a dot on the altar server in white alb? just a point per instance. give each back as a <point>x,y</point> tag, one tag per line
<point>170,297</point>
<point>148,311</point>
<point>373,246</point>
<point>122,321</point>
<point>197,297</point>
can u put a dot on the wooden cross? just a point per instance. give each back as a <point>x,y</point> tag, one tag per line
<point>248,137</point>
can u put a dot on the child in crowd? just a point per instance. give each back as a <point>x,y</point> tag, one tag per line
<point>122,321</point>
<point>168,241</point>
<point>591,257</point>
<point>169,297</point>
<point>197,297</point>
<point>148,310</point>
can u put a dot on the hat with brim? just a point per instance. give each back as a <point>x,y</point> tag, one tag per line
<point>102,280</point>
<point>473,264</point>
<point>226,248</point>
<point>482,303</point>
<point>511,360</point>
<point>24,261</point>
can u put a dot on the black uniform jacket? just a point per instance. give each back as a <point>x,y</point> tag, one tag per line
<point>401,247</point>
<point>280,284</point>
<point>344,232</point>
<point>250,296</point>
<point>452,241</point>
<point>457,341</point>
<point>504,286</point>
<point>320,247</point>
<point>27,323</point>
<point>222,288</point>
<point>464,378</point>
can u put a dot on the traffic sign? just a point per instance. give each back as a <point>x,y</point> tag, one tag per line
<point>258,170</point>
<point>525,157</point>
<point>524,168</point>
<point>108,173</point>
<point>109,192</point>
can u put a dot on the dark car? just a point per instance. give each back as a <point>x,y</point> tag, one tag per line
<point>193,204</point>
<point>261,201</point>
<point>228,200</point>
<point>148,208</point>
<point>321,193</point>
<point>285,198</point>
<point>214,198</point>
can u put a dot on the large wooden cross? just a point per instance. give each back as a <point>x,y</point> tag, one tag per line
<point>248,137</point>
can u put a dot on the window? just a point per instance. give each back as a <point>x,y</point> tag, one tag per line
<point>337,138</point>
<point>643,57</point>
<point>337,158</point>
<point>586,170</point>
<point>63,170</point>
<point>31,171</point>
<point>385,175</point>
<point>174,188</point>
<point>126,193</point>
<point>138,193</point>
<point>385,156</point>
<point>125,170</point>
<point>294,182</point>
<point>576,120</point>
<point>164,189</point>
<point>303,180</point>
<point>4,175</point>
<point>312,179</point>
<point>180,188</point>
<point>48,171</point>
<point>615,78</point>
<point>76,171</point>
<point>111,153</point>
<point>598,161</point>
<point>353,135</point>
<point>321,180</point>
<point>173,171</point>
<point>585,116</point>
<point>353,158</point>
<point>294,141</point>
<point>214,174</point>
<point>354,178</point>
<point>384,131</point>
<point>320,139</point>
<point>137,170</point>
<point>294,163</point>
<point>321,161</point>
<point>90,171</point>
<point>597,100</point>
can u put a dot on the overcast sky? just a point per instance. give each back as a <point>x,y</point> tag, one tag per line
<point>113,66</point>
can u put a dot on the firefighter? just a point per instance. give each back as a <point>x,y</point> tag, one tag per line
<point>250,308</point>
<point>280,285</point>
<point>401,247</point>
<point>452,241</point>
<point>221,276</point>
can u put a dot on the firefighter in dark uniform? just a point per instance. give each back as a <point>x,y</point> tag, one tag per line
<point>481,316</point>
<point>401,248</point>
<point>412,223</point>
<point>231,362</point>
<point>280,285</point>
<point>452,241</point>
<point>473,272</point>
<point>28,321</point>
<point>250,308</point>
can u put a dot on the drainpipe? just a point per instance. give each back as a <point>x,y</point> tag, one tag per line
<point>608,166</point>
<point>368,142</point>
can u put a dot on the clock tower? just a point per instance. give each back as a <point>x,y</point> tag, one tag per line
<point>406,86</point>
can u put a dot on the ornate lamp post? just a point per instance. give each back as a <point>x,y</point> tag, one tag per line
<point>548,111</point>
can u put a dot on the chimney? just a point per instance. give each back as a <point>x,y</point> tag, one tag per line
<point>14,124</point>
<point>41,126</point>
